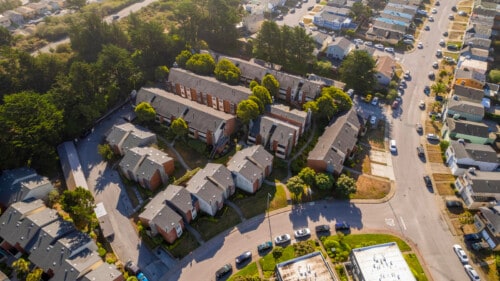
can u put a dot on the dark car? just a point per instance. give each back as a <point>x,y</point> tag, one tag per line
<point>342,226</point>
<point>223,270</point>
<point>452,47</point>
<point>438,98</point>
<point>323,228</point>
<point>453,204</point>
<point>243,257</point>
<point>420,151</point>
<point>445,34</point>
<point>427,90</point>
<point>431,75</point>
<point>472,237</point>
<point>419,128</point>
<point>265,246</point>
<point>454,8</point>
<point>428,181</point>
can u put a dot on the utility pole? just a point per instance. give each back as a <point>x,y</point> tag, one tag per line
<point>269,219</point>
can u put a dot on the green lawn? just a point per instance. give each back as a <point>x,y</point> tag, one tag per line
<point>268,263</point>
<point>249,270</point>
<point>183,246</point>
<point>192,158</point>
<point>255,204</point>
<point>415,267</point>
<point>209,227</point>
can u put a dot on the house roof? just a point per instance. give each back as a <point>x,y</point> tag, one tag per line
<point>342,44</point>
<point>468,94</point>
<point>337,140</point>
<point>198,116</point>
<point>251,162</point>
<point>466,107</point>
<point>467,128</point>
<point>466,73</point>
<point>105,272</point>
<point>285,112</point>
<point>209,85</point>
<point>478,42</point>
<point>480,29</point>
<point>326,81</point>
<point>399,7</point>
<point>154,206</point>
<point>72,269</point>
<point>144,161</point>
<point>320,37</point>
<point>385,65</point>
<point>166,219</point>
<point>211,182</point>
<point>128,135</point>
<point>15,185</point>
<point>477,152</point>
<point>475,52</point>
<point>272,129</point>
<point>381,27</point>
<point>484,182</point>
<point>179,197</point>
<point>492,214</point>
<point>70,164</point>
<point>478,65</point>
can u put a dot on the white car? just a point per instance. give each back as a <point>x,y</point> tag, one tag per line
<point>420,45</point>
<point>393,146</point>
<point>434,10</point>
<point>379,46</point>
<point>375,101</point>
<point>358,41</point>
<point>373,120</point>
<point>303,232</point>
<point>432,137</point>
<point>368,43</point>
<point>421,105</point>
<point>389,50</point>
<point>282,239</point>
<point>431,19</point>
<point>472,273</point>
<point>462,256</point>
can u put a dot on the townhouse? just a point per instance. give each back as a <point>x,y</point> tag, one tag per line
<point>127,135</point>
<point>334,18</point>
<point>161,219</point>
<point>299,118</point>
<point>22,184</point>
<point>462,109</point>
<point>275,135</point>
<point>460,156</point>
<point>487,222</point>
<point>249,167</point>
<point>473,132</point>
<point>339,49</point>
<point>384,68</point>
<point>479,188</point>
<point>182,201</point>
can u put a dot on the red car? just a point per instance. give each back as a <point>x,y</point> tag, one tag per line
<point>395,104</point>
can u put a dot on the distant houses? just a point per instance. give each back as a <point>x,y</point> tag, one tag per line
<point>22,184</point>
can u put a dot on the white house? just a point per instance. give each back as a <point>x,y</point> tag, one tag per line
<point>460,156</point>
<point>250,167</point>
<point>384,70</point>
<point>478,188</point>
<point>339,49</point>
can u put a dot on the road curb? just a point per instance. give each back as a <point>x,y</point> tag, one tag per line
<point>385,199</point>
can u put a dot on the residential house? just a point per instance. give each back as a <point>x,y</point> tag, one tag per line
<point>40,8</point>
<point>26,12</point>
<point>460,156</point>
<point>480,67</point>
<point>460,109</point>
<point>478,30</point>
<point>464,93</point>
<point>478,188</point>
<point>161,219</point>
<point>275,4</point>
<point>385,70</point>
<point>475,53</point>
<point>206,124</point>
<point>4,21</point>
<point>14,17</point>
<point>491,90</point>
<point>393,22</point>
<point>250,166</point>
<point>104,272</point>
<point>148,166</point>
<point>211,186</point>
<point>71,167</point>
<point>472,132</point>
<point>339,49</point>
<point>22,184</point>
<point>336,144</point>
<point>479,43</point>
<point>79,265</point>
<point>337,3</point>
<point>487,222</point>
<point>299,118</point>
<point>322,40</point>
<point>275,135</point>
<point>334,18</point>
<point>182,201</point>
<point>207,90</point>
<point>127,135</point>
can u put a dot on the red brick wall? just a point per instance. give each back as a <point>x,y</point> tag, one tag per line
<point>155,181</point>
<point>169,167</point>
<point>170,236</point>
<point>317,165</point>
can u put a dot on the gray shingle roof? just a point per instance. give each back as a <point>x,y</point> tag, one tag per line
<point>342,43</point>
<point>179,197</point>
<point>470,74</point>
<point>467,128</point>
<point>72,269</point>
<point>105,272</point>
<point>128,135</point>
<point>466,107</point>
<point>153,207</point>
<point>15,185</point>
<point>211,182</point>
<point>480,42</point>
<point>166,219</point>
<point>484,182</point>
<point>208,85</point>
<point>144,161</point>
<point>492,214</point>
<point>477,152</point>
<point>468,94</point>
<point>251,162</point>
<point>285,112</point>
<point>281,131</point>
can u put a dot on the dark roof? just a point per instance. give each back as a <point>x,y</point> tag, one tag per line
<point>492,214</point>
<point>211,183</point>
<point>251,162</point>
<point>477,152</point>
<point>467,128</point>
<point>468,94</point>
<point>484,182</point>
<point>337,140</point>
<point>76,267</point>
<point>144,161</point>
<point>481,43</point>
<point>16,185</point>
<point>285,113</point>
<point>128,135</point>
<point>272,129</point>
<point>179,197</point>
<point>466,107</point>
<point>166,219</point>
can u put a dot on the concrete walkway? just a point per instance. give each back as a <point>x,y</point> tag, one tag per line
<point>177,154</point>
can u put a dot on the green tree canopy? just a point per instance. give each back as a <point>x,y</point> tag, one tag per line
<point>307,175</point>
<point>326,107</point>
<point>272,85</point>
<point>263,94</point>
<point>438,88</point>
<point>5,37</point>
<point>21,267</point>
<point>345,186</point>
<point>312,106</point>
<point>35,275</point>
<point>202,64</point>
<point>227,72</point>
<point>76,4</point>
<point>247,110</point>
<point>79,204</point>
<point>494,76</point>
<point>105,151</point>
<point>161,73</point>
<point>145,112</point>
<point>358,71</point>
<point>255,99</point>
<point>342,100</point>
<point>360,12</point>
<point>296,185</point>
<point>253,83</point>
<point>324,181</point>
<point>179,127</point>
<point>182,58</point>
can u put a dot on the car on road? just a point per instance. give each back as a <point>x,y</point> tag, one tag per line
<point>427,90</point>
<point>435,65</point>
<point>243,257</point>
<point>368,43</point>
<point>303,232</point>
<point>310,8</point>
<point>225,269</point>
<point>431,75</point>
<point>427,28</point>
<point>292,10</point>
<point>419,128</point>
<point>434,10</point>
<point>453,204</point>
<point>472,273</point>
<point>375,101</point>
<point>454,8</point>
<point>462,256</point>
<point>449,60</point>
<point>373,120</point>
<point>445,34</point>
<point>342,226</point>
<point>420,45</point>
<point>322,228</point>
<point>392,146</point>
<point>265,246</point>
<point>432,137</point>
<point>407,75</point>
<point>442,43</point>
<point>439,53</point>
<point>379,46</point>
<point>358,41</point>
<point>395,104</point>
<point>437,3</point>
<point>409,36</point>
<point>428,181</point>
<point>421,105</point>
<point>284,238</point>
<point>472,237</point>
<point>142,277</point>
<point>431,18</point>
<point>389,50</point>
<point>420,151</point>
<point>451,17</point>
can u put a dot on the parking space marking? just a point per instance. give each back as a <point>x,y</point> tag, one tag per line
<point>390,222</point>
<point>403,223</point>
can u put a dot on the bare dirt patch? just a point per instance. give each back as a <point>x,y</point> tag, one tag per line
<point>375,138</point>
<point>433,148</point>
<point>444,188</point>
<point>456,35</point>
<point>432,127</point>
<point>458,26</point>
<point>464,19</point>
<point>435,157</point>
<point>370,187</point>
<point>443,177</point>
<point>467,3</point>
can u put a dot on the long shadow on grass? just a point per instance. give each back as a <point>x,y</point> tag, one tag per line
<point>325,212</point>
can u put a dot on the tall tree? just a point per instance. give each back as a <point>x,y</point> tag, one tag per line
<point>342,100</point>
<point>272,85</point>
<point>179,127</point>
<point>360,12</point>
<point>358,71</point>
<point>35,275</point>
<point>219,27</point>
<point>182,58</point>
<point>21,267</point>
<point>300,49</point>
<point>326,107</point>
<point>263,94</point>
<point>189,14</point>
<point>79,204</point>
<point>203,64</point>
<point>145,112</point>
<point>324,181</point>
<point>267,44</point>
<point>345,186</point>
<point>438,88</point>
<point>247,110</point>
<point>296,186</point>
<point>307,175</point>
<point>226,71</point>
<point>255,99</point>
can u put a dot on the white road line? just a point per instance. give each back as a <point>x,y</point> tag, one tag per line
<point>389,222</point>
<point>403,222</point>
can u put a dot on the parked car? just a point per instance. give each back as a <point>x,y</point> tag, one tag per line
<point>368,43</point>
<point>284,238</point>
<point>449,60</point>
<point>427,28</point>
<point>419,128</point>
<point>445,34</point>
<point>243,257</point>
<point>310,8</point>
<point>453,204</point>
<point>472,237</point>
<point>431,19</point>
<point>303,232</point>
<point>131,267</point>
<point>358,41</point>
<point>478,246</point>
<point>342,226</point>
<point>420,151</point>
<point>375,101</point>
<point>435,114</point>
<point>373,120</point>
<point>452,47</point>
<point>368,98</point>
<point>427,90</point>
<point>142,277</point>
<point>389,50</point>
<point>292,10</point>
<point>323,228</point>
<point>435,65</point>
<point>223,270</point>
<point>437,3</point>
<point>462,256</point>
<point>451,17</point>
<point>379,46</point>
<point>407,75</point>
<point>421,105</point>
<point>265,246</point>
<point>408,36</point>
<point>472,273</point>
<point>432,137</point>
<point>115,17</point>
<point>420,45</point>
<point>438,98</point>
<point>454,8</point>
<point>395,104</point>
<point>442,43</point>
<point>462,13</point>
<point>439,53</point>
<point>431,75</point>
<point>428,181</point>
<point>392,146</point>
<point>434,10</point>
